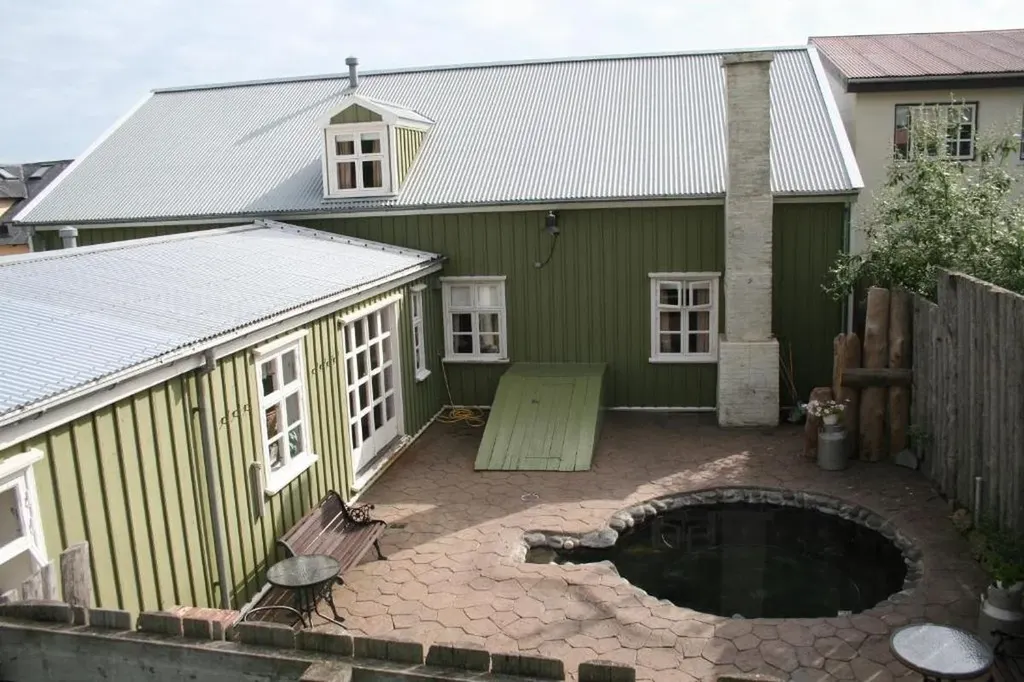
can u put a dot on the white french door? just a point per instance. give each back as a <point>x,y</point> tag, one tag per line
<point>371,364</point>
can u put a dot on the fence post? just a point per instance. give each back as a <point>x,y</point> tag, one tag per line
<point>76,575</point>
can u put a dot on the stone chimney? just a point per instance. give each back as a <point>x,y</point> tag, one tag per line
<point>748,360</point>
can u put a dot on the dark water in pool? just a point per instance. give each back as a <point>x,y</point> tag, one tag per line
<point>756,560</point>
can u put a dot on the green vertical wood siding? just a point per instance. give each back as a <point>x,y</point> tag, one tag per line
<point>591,303</point>
<point>124,479</point>
<point>407,145</point>
<point>49,240</point>
<point>806,239</point>
<point>130,480</point>
<point>355,114</point>
<point>234,396</point>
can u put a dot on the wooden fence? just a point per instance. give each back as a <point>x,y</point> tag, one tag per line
<point>967,410</point>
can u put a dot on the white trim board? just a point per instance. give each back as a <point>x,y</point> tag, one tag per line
<point>41,418</point>
<point>842,139</point>
<point>81,158</point>
<point>521,207</point>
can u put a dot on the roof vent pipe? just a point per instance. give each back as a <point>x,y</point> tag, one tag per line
<point>68,237</point>
<point>353,73</point>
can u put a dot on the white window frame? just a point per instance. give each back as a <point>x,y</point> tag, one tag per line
<point>275,481</point>
<point>16,473</point>
<point>946,107</point>
<point>684,279</point>
<point>332,159</point>
<point>476,356</point>
<point>419,348</point>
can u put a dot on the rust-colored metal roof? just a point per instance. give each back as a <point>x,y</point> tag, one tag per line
<point>917,55</point>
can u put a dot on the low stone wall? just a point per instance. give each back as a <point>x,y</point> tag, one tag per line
<point>52,641</point>
<point>630,517</point>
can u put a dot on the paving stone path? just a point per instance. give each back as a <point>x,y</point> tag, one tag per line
<point>455,571</point>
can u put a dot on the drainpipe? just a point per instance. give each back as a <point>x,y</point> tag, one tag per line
<point>68,237</point>
<point>212,477</point>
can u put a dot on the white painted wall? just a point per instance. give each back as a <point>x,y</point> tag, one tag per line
<point>869,120</point>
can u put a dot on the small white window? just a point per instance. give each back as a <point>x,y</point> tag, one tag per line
<point>22,549</point>
<point>419,353</point>
<point>474,319</point>
<point>284,415</point>
<point>357,160</point>
<point>684,317</point>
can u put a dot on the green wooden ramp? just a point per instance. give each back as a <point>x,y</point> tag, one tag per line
<point>545,417</point>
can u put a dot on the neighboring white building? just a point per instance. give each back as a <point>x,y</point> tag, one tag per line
<point>877,80</point>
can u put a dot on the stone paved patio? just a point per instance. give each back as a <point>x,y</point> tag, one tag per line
<point>454,574</point>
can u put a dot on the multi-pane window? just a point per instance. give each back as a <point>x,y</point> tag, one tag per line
<point>356,161</point>
<point>22,550</point>
<point>283,411</point>
<point>474,318</point>
<point>949,128</point>
<point>419,353</point>
<point>684,317</point>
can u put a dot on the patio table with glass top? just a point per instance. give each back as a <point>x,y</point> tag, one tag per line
<point>311,578</point>
<point>941,652</point>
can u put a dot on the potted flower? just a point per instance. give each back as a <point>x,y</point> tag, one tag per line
<point>826,410</point>
<point>1003,558</point>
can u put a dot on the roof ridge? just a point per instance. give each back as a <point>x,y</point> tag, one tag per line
<point>475,65</point>
<point>335,237</point>
<point>123,245</point>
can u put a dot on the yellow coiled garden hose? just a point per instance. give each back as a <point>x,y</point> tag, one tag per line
<point>470,416</point>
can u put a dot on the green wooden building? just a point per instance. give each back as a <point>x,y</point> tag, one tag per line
<point>673,230</point>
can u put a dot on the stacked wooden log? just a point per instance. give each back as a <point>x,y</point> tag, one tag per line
<point>873,379</point>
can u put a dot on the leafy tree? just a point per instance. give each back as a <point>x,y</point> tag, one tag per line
<point>938,212</point>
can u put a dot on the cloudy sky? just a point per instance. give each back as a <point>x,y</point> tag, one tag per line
<point>70,68</point>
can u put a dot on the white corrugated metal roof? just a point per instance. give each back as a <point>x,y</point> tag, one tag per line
<point>643,127</point>
<point>71,317</point>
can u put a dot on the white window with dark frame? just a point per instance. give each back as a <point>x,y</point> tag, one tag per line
<point>684,317</point>
<point>357,160</point>
<point>474,319</point>
<point>959,121</point>
<point>284,411</point>
<point>22,547</point>
<point>419,351</point>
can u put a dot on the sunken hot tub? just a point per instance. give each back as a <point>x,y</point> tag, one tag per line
<point>755,553</point>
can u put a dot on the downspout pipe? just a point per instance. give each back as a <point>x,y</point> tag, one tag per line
<point>212,477</point>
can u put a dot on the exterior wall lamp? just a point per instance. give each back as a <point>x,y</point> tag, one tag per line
<point>551,227</point>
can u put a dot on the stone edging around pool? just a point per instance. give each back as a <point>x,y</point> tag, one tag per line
<point>826,504</point>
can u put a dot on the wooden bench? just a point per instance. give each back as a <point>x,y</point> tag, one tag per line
<point>345,532</point>
<point>1009,666</point>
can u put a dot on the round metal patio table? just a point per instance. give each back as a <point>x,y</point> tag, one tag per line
<point>940,652</point>
<point>311,578</point>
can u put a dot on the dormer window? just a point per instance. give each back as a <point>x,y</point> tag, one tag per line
<point>358,160</point>
<point>369,147</point>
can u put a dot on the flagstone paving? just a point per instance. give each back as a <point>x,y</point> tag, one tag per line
<point>455,571</point>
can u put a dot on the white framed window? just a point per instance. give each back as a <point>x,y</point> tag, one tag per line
<point>474,319</point>
<point>22,547</point>
<point>960,121</point>
<point>357,158</point>
<point>419,352</point>
<point>284,411</point>
<point>684,317</point>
